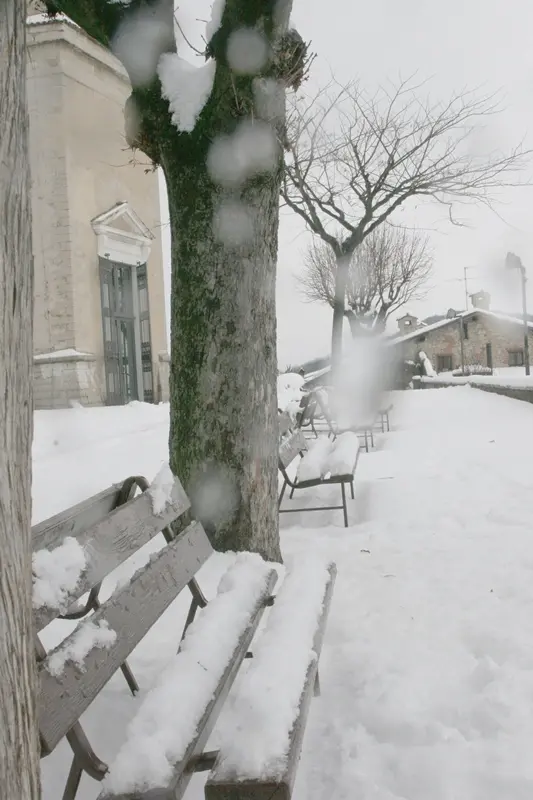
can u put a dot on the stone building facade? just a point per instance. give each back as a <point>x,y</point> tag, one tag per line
<point>99,316</point>
<point>488,339</point>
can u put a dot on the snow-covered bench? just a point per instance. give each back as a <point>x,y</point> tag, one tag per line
<point>363,427</point>
<point>325,462</point>
<point>165,742</point>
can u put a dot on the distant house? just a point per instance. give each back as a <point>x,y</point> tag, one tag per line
<point>489,338</point>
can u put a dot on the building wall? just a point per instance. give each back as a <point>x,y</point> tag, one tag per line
<point>482,330</point>
<point>54,295</point>
<point>81,168</point>
<point>60,380</point>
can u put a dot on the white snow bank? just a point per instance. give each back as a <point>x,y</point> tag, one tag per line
<point>344,454</point>
<point>255,740</point>
<point>160,489</point>
<point>168,718</point>
<point>56,573</point>
<point>77,647</point>
<point>187,88</point>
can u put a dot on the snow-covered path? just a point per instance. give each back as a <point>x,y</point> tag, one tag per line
<point>427,670</point>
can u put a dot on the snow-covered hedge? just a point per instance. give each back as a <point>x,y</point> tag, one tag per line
<point>472,369</point>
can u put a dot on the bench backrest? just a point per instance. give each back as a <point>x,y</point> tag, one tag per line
<point>119,624</point>
<point>309,407</point>
<point>292,442</point>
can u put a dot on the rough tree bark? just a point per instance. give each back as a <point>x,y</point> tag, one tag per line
<point>223,411</point>
<point>19,750</point>
<point>223,433</point>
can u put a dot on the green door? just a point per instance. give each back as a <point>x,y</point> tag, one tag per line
<point>118,319</point>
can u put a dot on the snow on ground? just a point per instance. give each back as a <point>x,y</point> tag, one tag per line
<point>427,667</point>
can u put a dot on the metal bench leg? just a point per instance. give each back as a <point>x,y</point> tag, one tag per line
<point>388,421</point>
<point>351,487</point>
<point>292,492</point>
<point>383,423</point>
<point>372,438</point>
<point>73,781</point>
<point>282,493</point>
<point>344,506</point>
<point>366,441</point>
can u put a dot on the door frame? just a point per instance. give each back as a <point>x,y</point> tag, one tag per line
<point>108,264</point>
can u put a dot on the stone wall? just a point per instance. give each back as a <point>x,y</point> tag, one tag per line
<point>479,331</point>
<point>60,380</point>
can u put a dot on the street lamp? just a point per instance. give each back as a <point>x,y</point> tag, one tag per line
<point>513,261</point>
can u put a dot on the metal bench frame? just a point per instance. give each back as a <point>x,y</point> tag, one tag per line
<point>296,446</point>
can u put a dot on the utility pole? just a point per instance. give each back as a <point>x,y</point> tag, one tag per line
<point>526,325</point>
<point>512,261</point>
<point>462,341</point>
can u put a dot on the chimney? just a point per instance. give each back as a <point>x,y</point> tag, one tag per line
<point>481,300</point>
<point>407,324</point>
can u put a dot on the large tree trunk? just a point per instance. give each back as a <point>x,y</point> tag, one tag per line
<point>223,432</point>
<point>223,421</point>
<point>19,752</point>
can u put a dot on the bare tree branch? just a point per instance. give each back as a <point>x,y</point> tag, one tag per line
<point>390,268</point>
<point>353,159</point>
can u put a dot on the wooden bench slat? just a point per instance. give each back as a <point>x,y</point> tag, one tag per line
<point>50,532</point>
<point>222,787</point>
<point>131,612</point>
<point>109,542</point>
<point>182,773</point>
<point>284,423</point>
<point>291,447</point>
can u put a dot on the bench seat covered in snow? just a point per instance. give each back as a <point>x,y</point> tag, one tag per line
<point>165,742</point>
<point>324,462</point>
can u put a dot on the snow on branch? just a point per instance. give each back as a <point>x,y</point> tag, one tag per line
<point>390,268</point>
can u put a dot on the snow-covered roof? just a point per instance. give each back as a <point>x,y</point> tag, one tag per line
<point>465,315</point>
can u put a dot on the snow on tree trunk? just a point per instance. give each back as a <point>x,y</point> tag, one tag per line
<point>19,749</point>
<point>223,433</point>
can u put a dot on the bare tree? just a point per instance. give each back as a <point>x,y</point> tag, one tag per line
<point>223,169</point>
<point>388,269</point>
<point>353,159</point>
<point>19,746</point>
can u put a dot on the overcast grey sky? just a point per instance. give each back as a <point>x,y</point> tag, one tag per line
<point>458,44</point>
